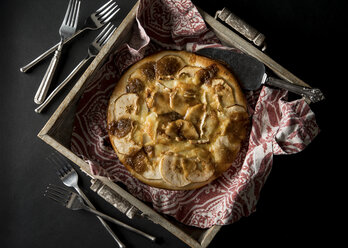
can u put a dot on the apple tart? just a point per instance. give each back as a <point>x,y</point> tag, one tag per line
<point>176,120</point>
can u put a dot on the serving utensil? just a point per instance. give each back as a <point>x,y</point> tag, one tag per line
<point>96,20</point>
<point>251,73</point>
<point>73,201</point>
<point>66,30</point>
<point>70,178</point>
<point>93,50</point>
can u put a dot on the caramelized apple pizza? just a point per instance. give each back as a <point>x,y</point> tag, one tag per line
<point>176,120</point>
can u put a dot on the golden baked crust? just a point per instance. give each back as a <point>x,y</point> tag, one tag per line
<point>176,120</point>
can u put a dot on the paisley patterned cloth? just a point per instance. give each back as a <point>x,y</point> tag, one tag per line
<point>278,126</point>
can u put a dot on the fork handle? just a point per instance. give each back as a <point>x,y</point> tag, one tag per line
<point>49,52</point>
<point>107,227</point>
<point>47,79</point>
<point>117,222</point>
<point>62,84</point>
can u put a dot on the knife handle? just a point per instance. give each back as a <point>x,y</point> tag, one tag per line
<point>313,94</point>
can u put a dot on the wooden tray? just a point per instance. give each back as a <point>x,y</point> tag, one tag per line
<point>58,129</point>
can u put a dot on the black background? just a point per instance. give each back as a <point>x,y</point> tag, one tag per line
<point>299,204</point>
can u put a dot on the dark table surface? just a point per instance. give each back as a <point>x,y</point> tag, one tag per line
<point>297,204</point>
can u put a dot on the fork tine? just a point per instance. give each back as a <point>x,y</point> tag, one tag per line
<point>58,189</point>
<point>71,15</point>
<point>54,198</point>
<point>68,165</point>
<point>102,39</point>
<point>111,16</point>
<point>109,35</point>
<point>62,167</point>
<point>65,169</point>
<point>106,10</point>
<point>71,10</point>
<point>67,12</point>
<point>106,15</point>
<point>57,194</point>
<point>104,6</point>
<point>76,14</point>
<point>102,32</point>
<point>60,173</point>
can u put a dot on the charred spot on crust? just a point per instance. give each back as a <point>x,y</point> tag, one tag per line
<point>134,86</point>
<point>167,67</point>
<point>137,161</point>
<point>121,127</point>
<point>149,70</point>
<point>205,75</point>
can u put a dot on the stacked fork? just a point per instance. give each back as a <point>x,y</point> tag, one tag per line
<point>67,32</point>
<point>72,201</point>
<point>70,178</point>
<point>93,50</point>
<point>95,21</point>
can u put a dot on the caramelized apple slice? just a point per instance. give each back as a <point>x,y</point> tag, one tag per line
<point>195,114</point>
<point>209,124</point>
<point>172,171</point>
<point>126,145</point>
<point>126,105</point>
<point>224,92</point>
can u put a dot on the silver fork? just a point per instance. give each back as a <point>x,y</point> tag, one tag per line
<point>93,50</point>
<point>95,21</point>
<point>70,178</point>
<point>66,30</point>
<point>73,201</point>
